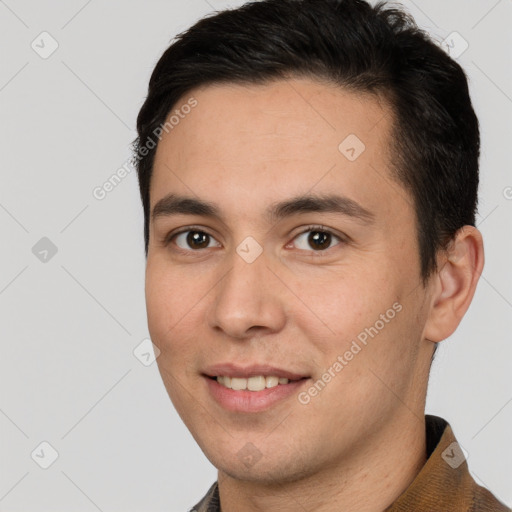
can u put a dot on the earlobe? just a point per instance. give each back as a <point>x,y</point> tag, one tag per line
<point>455,283</point>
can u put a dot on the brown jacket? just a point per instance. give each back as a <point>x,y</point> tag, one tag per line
<point>443,484</point>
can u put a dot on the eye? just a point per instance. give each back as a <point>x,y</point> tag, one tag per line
<point>316,238</point>
<point>193,239</point>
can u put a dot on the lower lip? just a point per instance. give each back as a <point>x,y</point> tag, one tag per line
<point>252,401</point>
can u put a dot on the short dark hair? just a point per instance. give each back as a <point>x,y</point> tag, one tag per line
<point>362,48</point>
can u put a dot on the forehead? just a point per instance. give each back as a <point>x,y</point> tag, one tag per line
<point>281,139</point>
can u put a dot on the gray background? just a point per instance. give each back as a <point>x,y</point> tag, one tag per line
<point>70,323</point>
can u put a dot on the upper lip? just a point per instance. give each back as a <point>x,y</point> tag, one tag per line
<point>233,370</point>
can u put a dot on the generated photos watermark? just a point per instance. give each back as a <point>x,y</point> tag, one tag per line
<point>305,397</point>
<point>101,191</point>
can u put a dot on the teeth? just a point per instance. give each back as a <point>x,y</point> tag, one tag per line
<point>271,382</point>
<point>257,383</point>
<point>238,384</point>
<point>224,380</point>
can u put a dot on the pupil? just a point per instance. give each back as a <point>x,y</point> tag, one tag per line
<point>197,239</point>
<point>319,239</point>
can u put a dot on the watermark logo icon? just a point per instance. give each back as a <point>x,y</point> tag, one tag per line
<point>146,352</point>
<point>455,45</point>
<point>44,45</point>
<point>249,455</point>
<point>44,455</point>
<point>454,455</point>
<point>249,250</point>
<point>44,250</point>
<point>351,147</point>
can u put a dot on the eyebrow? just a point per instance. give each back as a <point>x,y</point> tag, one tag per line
<point>174,204</point>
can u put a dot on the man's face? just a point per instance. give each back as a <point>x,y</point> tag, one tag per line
<point>305,293</point>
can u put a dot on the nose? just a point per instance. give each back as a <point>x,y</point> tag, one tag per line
<point>247,300</point>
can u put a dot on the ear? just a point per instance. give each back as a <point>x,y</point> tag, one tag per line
<point>454,283</point>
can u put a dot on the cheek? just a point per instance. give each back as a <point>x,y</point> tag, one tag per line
<point>341,305</point>
<point>174,328</point>
<point>170,301</point>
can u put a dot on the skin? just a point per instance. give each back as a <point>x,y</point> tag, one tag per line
<point>295,307</point>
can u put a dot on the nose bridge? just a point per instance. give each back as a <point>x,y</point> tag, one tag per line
<point>244,297</point>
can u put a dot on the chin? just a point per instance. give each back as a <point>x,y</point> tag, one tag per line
<point>266,465</point>
<point>261,472</point>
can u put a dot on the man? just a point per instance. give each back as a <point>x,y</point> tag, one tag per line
<point>309,175</point>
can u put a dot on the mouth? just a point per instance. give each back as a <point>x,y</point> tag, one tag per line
<point>255,383</point>
<point>251,389</point>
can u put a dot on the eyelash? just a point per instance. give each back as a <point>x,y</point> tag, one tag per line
<point>319,253</point>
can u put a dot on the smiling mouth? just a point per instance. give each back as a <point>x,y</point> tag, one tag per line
<point>255,383</point>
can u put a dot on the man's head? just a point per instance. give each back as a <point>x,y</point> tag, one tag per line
<point>375,50</point>
<point>328,118</point>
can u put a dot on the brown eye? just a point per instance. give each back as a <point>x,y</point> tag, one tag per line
<point>319,240</point>
<point>193,239</point>
<point>316,239</point>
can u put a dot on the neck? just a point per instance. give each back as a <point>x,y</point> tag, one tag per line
<point>370,481</point>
